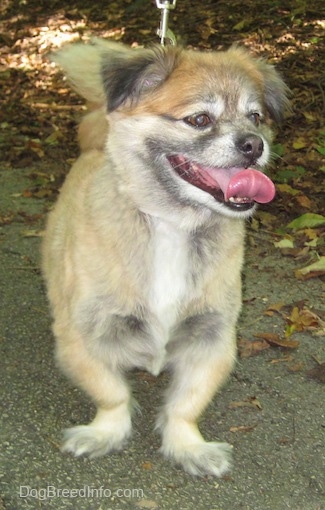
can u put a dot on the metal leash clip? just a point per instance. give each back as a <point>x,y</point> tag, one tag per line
<point>163,31</point>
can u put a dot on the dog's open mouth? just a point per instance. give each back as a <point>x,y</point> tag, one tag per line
<point>238,188</point>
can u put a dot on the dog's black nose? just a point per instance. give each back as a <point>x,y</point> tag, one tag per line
<point>251,146</point>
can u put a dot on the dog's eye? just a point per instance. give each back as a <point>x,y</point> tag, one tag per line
<point>255,117</point>
<point>199,120</point>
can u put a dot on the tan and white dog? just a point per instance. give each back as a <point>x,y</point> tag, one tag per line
<point>144,248</point>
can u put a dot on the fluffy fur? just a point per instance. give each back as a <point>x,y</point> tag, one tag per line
<point>143,263</point>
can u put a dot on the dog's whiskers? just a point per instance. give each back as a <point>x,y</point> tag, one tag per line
<point>274,155</point>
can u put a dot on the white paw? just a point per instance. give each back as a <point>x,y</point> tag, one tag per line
<point>92,441</point>
<point>202,459</point>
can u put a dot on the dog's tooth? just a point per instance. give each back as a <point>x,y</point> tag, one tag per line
<point>239,200</point>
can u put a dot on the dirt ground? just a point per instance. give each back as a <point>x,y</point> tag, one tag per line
<point>272,408</point>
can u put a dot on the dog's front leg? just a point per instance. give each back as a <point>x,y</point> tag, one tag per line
<point>109,391</point>
<point>201,357</point>
<point>96,352</point>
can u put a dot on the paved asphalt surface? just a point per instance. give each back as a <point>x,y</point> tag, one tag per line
<point>278,444</point>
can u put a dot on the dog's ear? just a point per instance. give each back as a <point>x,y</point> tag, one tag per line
<point>130,76</point>
<point>276,92</point>
<point>82,65</point>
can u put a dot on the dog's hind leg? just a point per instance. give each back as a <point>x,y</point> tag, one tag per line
<point>108,389</point>
<point>199,368</point>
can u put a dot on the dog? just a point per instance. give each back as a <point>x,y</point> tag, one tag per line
<point>143,251</point>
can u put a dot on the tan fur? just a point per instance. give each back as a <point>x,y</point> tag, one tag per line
<point>181,89</point>
<point>93,130</point>
<point>141,274</point>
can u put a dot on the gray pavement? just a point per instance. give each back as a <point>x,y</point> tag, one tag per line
<point>278,449</point>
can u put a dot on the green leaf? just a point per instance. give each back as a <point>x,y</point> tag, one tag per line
<point>284,243</point>
<point>287,174</point>
<point>278,149</point>
<point>318,266</point>
<point>300,170</point>
<point>243,24</point>
<point>307,220</point>
<point>300,143</point>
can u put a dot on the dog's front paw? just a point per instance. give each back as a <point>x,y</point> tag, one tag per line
<point>92,441</point>
<point>202,458</point>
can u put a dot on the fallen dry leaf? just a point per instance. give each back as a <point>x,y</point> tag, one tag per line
<point>147,465</point>
<point>286,188</point>
<point>248,348</point>
<point>32,233</point>
<point>296,367</point>
<point>304,201</point>
<point>312,233</point>
<point>7,218</point>
<point>251,402</point>
<point>312,270</point>
<point>243,428</point>
<point>318,373</point>
<point>303,319</point>
<point>298,318</point>
<point>256,403</point>
<point>276,307</point>
<point>274,339</point>
<point>285,359</point>
<point>146,503</point>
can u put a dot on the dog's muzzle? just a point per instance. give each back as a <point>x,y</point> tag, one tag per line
<point>237,188</point>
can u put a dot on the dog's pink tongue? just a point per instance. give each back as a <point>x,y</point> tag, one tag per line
<point>251,184</point>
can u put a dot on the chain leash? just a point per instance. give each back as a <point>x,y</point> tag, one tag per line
<point>165,34</point>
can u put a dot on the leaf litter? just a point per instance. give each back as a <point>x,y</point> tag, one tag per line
<point>34,95</point>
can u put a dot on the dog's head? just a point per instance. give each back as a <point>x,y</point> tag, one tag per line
<point>201,120</point>
<point>193,128</point>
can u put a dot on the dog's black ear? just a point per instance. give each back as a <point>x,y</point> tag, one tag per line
<point>276,92</point>
<point>129,76</point>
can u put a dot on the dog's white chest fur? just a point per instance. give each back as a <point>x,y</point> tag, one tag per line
<point>169,275</point>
